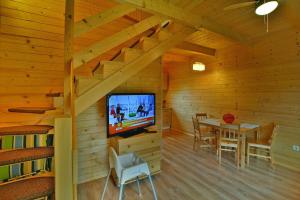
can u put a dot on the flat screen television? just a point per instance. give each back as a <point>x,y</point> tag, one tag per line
<point>128,113</point>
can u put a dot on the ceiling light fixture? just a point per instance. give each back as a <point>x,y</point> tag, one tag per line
<point>265,7</point>
<point>198,66</point>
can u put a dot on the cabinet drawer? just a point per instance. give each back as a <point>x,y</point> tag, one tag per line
<point>150,154</point>
<point>139,143</point>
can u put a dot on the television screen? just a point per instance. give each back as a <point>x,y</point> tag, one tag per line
<point>128,113</point>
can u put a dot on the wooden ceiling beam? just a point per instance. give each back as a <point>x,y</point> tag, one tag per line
<point>194,49</point>
<point>103,17</point>
<point>98,48</point>
<point>186,17</point>
<point>101,89</point>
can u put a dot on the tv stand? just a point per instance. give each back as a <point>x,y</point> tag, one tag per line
<point>146,145</point>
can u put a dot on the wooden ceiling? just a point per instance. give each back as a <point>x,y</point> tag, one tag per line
<point>243,21</point>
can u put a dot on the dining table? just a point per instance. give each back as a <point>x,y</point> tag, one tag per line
<point>245,130</point>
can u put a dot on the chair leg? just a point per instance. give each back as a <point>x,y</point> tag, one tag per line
<point>248,155</point>
<point>220,154</point>
<point>105,186</point>
<point>153,188</point>
<point>138,186</point>
<point>238,157</point>
<point>121,192</point>
<point>194,145</point>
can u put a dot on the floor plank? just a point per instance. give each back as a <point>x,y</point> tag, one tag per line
<point>196,175</point>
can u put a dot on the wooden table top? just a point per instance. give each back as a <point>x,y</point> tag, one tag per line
<point>217,123</point>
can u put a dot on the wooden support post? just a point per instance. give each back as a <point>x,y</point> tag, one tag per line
<point>69,100</point>
<point>63,158</point>
<point>68,54</point>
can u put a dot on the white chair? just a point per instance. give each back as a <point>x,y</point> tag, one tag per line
<point>128,167</point>
<point>229,140</point>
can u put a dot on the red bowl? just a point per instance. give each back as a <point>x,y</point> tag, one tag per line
<point>228,118</point>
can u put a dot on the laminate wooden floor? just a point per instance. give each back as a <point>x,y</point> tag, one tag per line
<point>187,174</point>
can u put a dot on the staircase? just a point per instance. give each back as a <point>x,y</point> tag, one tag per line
<point>26,154</point>
<point>131,60</point>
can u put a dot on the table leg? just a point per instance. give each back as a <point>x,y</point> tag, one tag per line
<point>243,150</point>
<point>257,134</point>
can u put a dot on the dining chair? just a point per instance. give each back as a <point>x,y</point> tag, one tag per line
<point>261,148</point>
<point>229,140</point>
<point>201,116</point>
<point>204,136</point>
<point>128,167</point>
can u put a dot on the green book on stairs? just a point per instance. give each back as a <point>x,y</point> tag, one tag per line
<point>7,143</point>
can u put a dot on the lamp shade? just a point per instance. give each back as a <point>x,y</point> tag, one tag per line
<point>264,7</point>
<point>198,66</point>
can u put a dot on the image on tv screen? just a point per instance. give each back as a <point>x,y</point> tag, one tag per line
<point>130,111</point>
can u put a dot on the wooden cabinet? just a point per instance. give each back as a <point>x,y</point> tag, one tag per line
<point>146,145</point>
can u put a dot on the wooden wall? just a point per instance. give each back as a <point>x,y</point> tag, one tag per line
<point>31,50</point>
<point>258,84</point>
<point>91,124</point>
<point>31,55</point>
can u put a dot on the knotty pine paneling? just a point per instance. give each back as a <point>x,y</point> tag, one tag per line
<point>259,83</point>
<point>91,124</point>
<point>31,56</point>
<point>32,50</point>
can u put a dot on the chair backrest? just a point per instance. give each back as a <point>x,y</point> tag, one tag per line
<point>114,161</point>
<point>230,132</point>
<point>274,134</point>
<point>201,116</point>
<point>266,131</point>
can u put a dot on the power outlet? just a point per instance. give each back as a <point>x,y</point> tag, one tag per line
<point>296,147</point>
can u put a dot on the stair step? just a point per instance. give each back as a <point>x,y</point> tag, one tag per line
<point>129,54</point>
<point>109,67</point>
<point>35,110</point>
<point>55,94</point>
<point>8,157</point>
<point>25,130</point>
<point>147,43</point>
<point>163,34</point>
<point>106,69</point>
<point>58,102</point>
<point>32,187</point>
<point>84,84</point>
